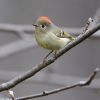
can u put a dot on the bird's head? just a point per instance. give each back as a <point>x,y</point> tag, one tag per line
<point>43,24</point>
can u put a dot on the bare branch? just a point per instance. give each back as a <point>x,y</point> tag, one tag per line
<point>78,84</point>
<point>12,83</point>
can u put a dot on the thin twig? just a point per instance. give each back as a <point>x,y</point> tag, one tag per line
<point>12,83</point>
<point>11,93</point>
<point>78,84</point>
<point>88,24</point>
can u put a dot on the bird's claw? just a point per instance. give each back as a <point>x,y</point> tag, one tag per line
<point>45,58</point>
<point>55,54</point>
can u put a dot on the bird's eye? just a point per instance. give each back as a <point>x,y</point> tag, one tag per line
<point>43,26</point>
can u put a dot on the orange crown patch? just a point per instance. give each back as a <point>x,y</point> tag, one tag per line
<point>46,18</point>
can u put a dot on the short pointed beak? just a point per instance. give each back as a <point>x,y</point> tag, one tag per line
<point>35,25</point>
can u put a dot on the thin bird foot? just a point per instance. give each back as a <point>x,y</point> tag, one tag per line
<point>55,54</point>
<point>45,58</point>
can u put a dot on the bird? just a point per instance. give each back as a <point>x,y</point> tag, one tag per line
<point>50,36</point>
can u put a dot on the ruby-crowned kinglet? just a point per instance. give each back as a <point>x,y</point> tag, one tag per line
<point>49,36</point>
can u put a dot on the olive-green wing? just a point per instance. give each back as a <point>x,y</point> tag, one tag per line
<point>60,33</point>
<point>67,35</point>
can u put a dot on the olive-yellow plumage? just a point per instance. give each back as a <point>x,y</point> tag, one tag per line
<point>49,36</point>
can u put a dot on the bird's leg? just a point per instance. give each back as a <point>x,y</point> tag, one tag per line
<point>47,55</point>
<point>55,52</point>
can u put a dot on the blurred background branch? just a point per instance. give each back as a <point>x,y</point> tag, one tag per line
<point>82,83</point>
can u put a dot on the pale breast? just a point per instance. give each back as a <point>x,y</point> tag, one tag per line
<point>53,42</point>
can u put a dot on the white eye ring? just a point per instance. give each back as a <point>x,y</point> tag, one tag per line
<point>43,26</point>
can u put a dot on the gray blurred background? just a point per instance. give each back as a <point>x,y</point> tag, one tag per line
<point>19,52</point>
